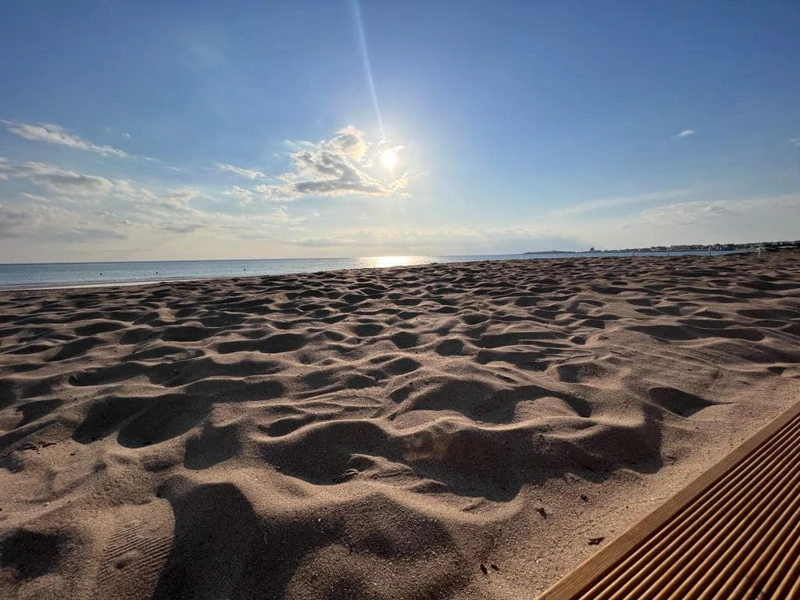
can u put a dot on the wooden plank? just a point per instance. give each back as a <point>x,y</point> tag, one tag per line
<point>682,504</point>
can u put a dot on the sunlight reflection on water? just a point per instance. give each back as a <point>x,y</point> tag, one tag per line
<point>394,261</point>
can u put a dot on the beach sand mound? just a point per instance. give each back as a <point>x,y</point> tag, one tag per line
<point>441,431</point>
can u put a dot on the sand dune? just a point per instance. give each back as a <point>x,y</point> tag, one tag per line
<point>443,431</point>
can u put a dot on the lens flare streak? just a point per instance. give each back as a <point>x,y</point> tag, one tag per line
<point>367,66</point>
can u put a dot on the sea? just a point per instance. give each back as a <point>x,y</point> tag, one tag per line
<point>91,274</point>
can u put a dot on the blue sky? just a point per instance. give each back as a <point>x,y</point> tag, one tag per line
<point>135,130</point>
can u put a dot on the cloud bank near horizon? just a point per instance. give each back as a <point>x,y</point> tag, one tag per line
<point>45,205</point>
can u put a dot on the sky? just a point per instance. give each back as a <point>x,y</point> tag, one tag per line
<point>152,130</point>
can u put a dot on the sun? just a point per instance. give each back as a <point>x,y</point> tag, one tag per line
<point>389,158</point>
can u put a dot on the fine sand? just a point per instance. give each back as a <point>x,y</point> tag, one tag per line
<point>443,431</point>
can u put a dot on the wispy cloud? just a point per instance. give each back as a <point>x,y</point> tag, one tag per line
<point>607,203</point>
<point>126,135</point>
<point>12,221</point>
<point>684,133</point>
<point>242,195</point>
<point>77,207</point>
<point>88,234</point>
<point>54,178</point>
<point>41,220</point>
<point>181,228</point>
<point>55,134</point>
<point>248,173</point>
<point>343,165</point>
<point>691,213</point>
<point>435,240</point>
<point>795,141</point>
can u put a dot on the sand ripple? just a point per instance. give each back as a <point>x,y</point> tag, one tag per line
<point>371,434</point>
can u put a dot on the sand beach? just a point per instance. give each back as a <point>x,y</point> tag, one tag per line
<point>468,430</point>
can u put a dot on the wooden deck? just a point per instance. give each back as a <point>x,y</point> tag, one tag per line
<point>732,534</point>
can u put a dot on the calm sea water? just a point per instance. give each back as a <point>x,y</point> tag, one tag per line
<point>107,273</point>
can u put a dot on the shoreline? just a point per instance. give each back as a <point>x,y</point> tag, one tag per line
<point>444,430</point>
<point>127,283</point>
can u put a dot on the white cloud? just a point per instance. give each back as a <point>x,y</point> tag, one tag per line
<point>104,203</point>
<point>795,141</point>
<point>55,134</point>
<point>276,193</point>
<point>694,213</point>
<point>13,220</point>
<point>593,205</point>
<point>34,197</point>
<point>437,240</point>
<point>181,227</point>
<point>343,165</point>
<point>87,234</point>
<point>684,133</point>
<point>739,220</point>
<point>248,173</point>
<point>55,179</point>
<point>40,220</point>
<point>126,135</point>
<point>89,209</point>
<point>242,195</point>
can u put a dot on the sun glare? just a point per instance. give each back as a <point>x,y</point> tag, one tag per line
<point>389,158</point>
<point>391,261</point>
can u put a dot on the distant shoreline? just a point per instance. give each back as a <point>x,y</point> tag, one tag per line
<point>748,247</point>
